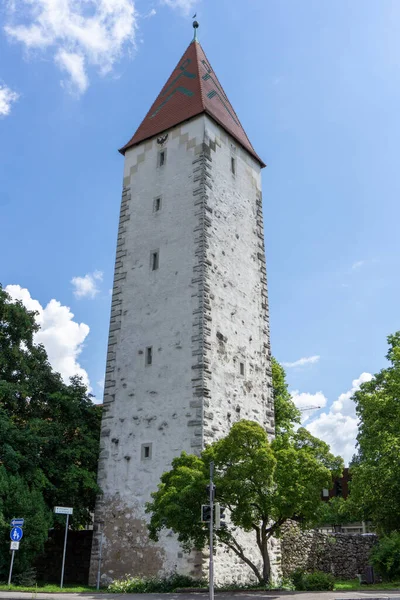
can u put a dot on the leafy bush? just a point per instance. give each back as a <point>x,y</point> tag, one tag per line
<point>312,582</point>
<point>285,583</point>
<point>319,581</point>
<point>151,585</point>
<point>385,557</point>
<point>297,577</point>
<point>26,578</point>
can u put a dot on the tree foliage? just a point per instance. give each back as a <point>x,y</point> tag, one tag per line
<point>263,484</point>
<point>337,512</point>
<point>17,498</point>
<point>385,556</point>
<point>286,413</point>
<point>375,470</point>
<point>49,435</point>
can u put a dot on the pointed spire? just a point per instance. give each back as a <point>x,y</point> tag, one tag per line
<point>192,89</point>
<point>195,27</point>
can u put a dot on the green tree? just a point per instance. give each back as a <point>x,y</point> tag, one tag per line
<point>18,498</point>
<point>49,433</point>
<point>286,413</point>
<point>336,512</point>
<point>385,556</point>
<point>375,488</point>
<point>263,485</point>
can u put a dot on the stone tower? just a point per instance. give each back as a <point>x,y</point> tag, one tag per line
<point>188,351</point>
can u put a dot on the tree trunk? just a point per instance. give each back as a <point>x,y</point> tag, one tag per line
<point>238,550</point>
<point>266,563</point>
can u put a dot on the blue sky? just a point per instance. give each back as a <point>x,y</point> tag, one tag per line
<point>317,87</point>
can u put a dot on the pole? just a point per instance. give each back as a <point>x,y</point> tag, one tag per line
<point>99,566</point>
<point>65,549</point>
<point>11,567</point>
<point>211,568</point>
<point>364,527</point>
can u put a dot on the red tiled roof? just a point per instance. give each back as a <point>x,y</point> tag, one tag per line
<point>192,89</point>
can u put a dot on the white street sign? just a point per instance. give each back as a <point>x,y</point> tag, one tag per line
<point>63,510</point>
<point>14,546</point>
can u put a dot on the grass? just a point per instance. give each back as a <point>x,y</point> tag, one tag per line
<point>49,587</point>
<point>348,585</point>
<point>355,585</point>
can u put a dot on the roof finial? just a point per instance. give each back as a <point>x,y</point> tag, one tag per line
<point>195,27</point>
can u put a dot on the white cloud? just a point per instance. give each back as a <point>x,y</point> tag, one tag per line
<point>7,99</point>
<point>309,360</point>
<point>186,6</point>
<point>357,265</point>
<point>339,426</point>
<point>74,64</point>
<point>343,404</point>
<point>151,13</point>
<point>86,287</point>
<point>62,337</point>
<point>78,33</point>
<point>339,431</point>
<point>305,400</point>
<point>98,395</point>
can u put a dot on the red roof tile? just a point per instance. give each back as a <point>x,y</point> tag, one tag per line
<point>192,89</point>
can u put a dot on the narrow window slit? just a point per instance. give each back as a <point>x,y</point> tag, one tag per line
<point>161,158</point>
<point>149,355</point>
<point>146,451</point>
<point>157,205</point>
<point>154,261</point>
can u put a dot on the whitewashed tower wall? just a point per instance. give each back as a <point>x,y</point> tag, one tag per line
<point>238,333</point>
<point>203,312</point>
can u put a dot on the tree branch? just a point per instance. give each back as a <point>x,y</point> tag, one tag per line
<point>238,550</point>
<point>258,536</point>
<point>270,530</point>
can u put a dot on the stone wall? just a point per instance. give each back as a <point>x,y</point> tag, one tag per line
<point>344,555</point>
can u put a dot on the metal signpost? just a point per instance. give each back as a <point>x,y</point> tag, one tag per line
<point>217,521</point>
<point>16,535</point>
<point>64,510</point>
<point>100,551</point>
<point>211,571</point>
<point>12,562</point>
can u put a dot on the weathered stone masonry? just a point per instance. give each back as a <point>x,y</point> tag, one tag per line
<point>201,339</point>
<point>110,382</point>
<point>343,555</point>
<point>201,315</point>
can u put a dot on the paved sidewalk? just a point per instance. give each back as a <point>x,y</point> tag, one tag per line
<point>364,595</point>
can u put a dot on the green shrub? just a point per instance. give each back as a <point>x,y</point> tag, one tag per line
<point>297,577</point>
<point>152,585</point>
<point>319,581</point>
<point>286,583</point>
<point>312,582</point>
<point>26,578</point>
<point>385,557</point>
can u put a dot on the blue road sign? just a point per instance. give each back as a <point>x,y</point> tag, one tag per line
<point>16,534</point>
<point>17,522</point>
